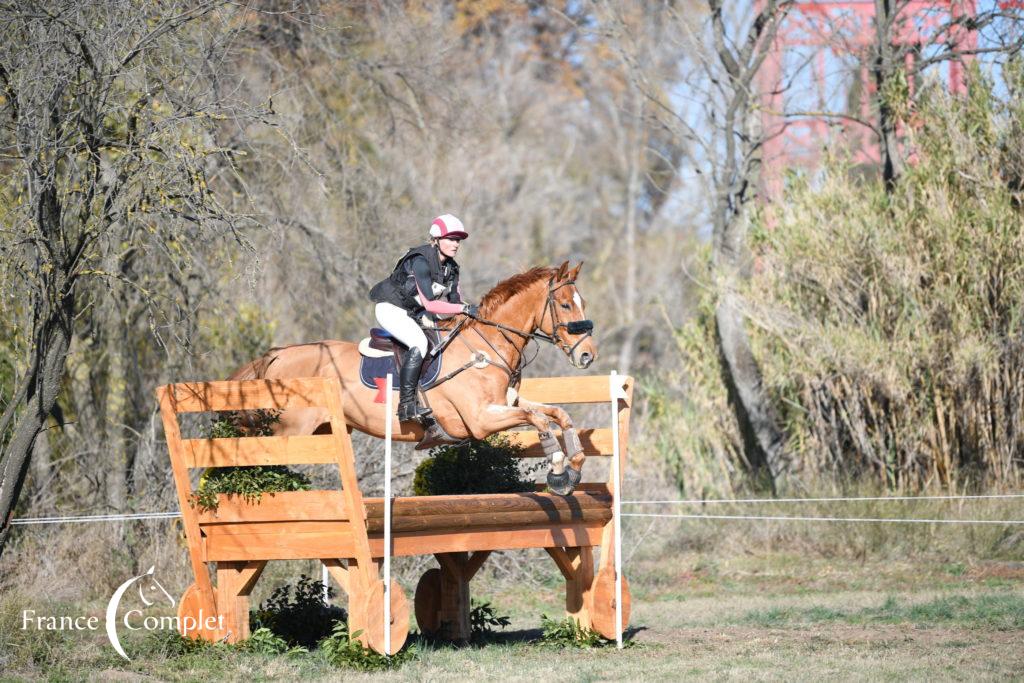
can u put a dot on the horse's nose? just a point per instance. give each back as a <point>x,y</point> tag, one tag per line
<point>586,359</point>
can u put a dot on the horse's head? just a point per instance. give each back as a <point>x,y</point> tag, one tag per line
<point>564,318</point>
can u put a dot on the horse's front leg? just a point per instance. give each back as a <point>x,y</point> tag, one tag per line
<point>572,440</point>
<point>496,418</point>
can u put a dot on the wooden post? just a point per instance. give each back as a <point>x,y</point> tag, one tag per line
<point>235,581</point>
<point>172,431</point>
<point>577,566</point>
<point>454,610</point>
<point>577,589</point>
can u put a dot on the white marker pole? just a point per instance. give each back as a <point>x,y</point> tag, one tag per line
<point>327,587</point>
<point>388,409</point>
<point>615,390</point>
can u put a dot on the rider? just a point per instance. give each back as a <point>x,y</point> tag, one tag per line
<point>424,283</point>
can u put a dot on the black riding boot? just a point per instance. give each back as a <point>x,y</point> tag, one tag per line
<point>408,378</point>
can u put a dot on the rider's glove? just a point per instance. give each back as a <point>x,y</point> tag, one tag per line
<point>472,310</point>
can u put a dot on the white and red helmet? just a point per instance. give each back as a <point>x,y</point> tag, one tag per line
<point>447,225</point>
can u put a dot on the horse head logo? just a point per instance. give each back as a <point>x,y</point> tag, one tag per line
<point>150,590</point>
<point>149,586</point>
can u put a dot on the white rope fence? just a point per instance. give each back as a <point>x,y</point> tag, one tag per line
<point>96,518</point>
<point>132,516</point>
<point>731,501</point>
<point>793,518</point>
<point>903,520</point>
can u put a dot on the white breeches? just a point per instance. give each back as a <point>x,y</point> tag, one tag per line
<point>403,328</point>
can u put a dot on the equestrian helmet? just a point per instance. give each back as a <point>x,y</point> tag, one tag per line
<point>447,225</point>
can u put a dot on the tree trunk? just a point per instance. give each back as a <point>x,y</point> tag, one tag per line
<point>762,440</point>
<point>52,327</point>
<point>885,66</point>
<point>53,342</point>
<point>115,418</point>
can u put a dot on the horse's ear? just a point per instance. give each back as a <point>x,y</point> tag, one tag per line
<point>575,272</point>
<point>562,271</point>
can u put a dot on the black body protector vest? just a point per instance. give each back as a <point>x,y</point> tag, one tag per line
<point>399,288</point>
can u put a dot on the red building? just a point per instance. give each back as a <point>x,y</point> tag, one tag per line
<point>818,85</point>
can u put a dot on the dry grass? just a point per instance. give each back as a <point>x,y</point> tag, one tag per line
<point>728,600</point>
<point>887,325</point>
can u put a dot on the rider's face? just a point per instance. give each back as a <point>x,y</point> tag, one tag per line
<point>448,246</point>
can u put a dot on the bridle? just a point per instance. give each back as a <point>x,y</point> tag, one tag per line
<point>573,327</point>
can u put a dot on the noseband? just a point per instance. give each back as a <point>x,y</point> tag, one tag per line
<point>573,327</point>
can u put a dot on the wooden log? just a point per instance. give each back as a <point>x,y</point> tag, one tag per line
<point>420,506</point>
<point>329,505</point>
<point>488,538</point>
<point>195,618</point>
<point>597,515</point>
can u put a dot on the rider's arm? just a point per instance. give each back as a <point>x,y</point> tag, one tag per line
<point>455,296</point>
<point>421,272</point>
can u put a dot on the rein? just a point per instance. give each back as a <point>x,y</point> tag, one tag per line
<point>574,327</point>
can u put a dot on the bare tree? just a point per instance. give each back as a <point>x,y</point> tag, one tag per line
<point>896,63</point>
<point>727,46</point>
<point>112,131</point>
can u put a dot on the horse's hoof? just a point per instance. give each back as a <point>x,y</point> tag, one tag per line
<point>560,483</point>
<point>574,477</point>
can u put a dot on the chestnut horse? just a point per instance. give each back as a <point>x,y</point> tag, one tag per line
<point>481,368</point>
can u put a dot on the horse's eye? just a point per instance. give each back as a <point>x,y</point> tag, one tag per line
<point>566,306</point>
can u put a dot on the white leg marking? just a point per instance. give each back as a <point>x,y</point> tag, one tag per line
<point>558,462</point>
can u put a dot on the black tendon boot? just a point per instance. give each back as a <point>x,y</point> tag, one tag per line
<point>408,378</point>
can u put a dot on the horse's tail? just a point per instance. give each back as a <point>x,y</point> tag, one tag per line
<point>256,369</point>
<point>247,371</point>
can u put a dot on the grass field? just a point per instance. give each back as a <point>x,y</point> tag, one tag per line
<point>762,616</point>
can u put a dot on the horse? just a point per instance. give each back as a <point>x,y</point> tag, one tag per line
<point>476,395</point>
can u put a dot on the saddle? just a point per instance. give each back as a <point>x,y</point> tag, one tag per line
<point>381,353</point>
<point>380,344</point>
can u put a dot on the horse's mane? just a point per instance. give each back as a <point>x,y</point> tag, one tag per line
<point>509,287</point>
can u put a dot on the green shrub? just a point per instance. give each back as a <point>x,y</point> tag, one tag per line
<point>569,633</point>
<point>237,423</point>
<point>488,466</point>
<point>248,482</point>
<point>341,649</point>
<point>483,618</point>
<point>172,644</point>
<point>265,642</point>
<point>301,620</point>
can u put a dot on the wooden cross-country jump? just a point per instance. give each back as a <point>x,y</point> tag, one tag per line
<point>344,530</point>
